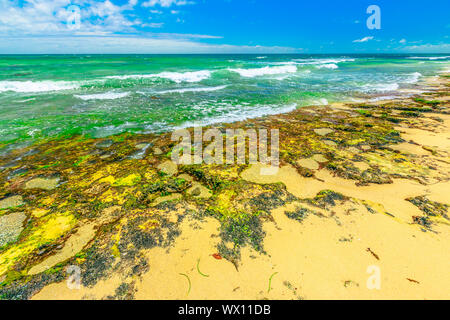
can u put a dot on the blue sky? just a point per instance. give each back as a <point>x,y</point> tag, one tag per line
<point>222,26</point>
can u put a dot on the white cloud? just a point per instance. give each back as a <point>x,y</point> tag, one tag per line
<point>402,41</point>
<point>166,3</point>
<point>153,25</point>
<point>365,39</point>
<point>51,17</point>
<point>429,48</point>
<point>128,44</point>
<point>40,26</point>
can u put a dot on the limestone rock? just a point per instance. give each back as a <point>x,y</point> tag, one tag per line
<point>42,183</point>
<point>11,226</point>
<point>10,202</point>
<point>323,131</point>
<point>308,163</point>
<point>168,167</point>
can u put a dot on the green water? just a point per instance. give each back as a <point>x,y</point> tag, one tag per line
<point>43,96</point>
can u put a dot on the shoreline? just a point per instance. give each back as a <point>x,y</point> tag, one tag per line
<point>7,148</point>
<point>133,225</point>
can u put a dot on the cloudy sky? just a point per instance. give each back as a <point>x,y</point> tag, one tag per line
<point>222,26</point>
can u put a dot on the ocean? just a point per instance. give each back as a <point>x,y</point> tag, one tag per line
<point>46,96</point>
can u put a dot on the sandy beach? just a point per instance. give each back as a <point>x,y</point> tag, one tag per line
<point>357,210</point>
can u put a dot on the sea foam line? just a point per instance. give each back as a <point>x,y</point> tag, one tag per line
<point>203,89</point>
<point>257,72</point>
<point>178,77</point>
<point>103,96</point>
<point>37,86</point>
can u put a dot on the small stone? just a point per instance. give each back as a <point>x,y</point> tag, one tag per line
<point>42,183</point>
<point>199,191</point>
<point>140,154</point>
<point>330,143</point>
<point>104,144</point>
<point>308,163</point>
<point>323,131</point>
<point>354,150</point>
<point>11,202</point>
<point>11,226</point>
<point>168,167</point>
<point>319,158</point>
<point>365,147</point>
<point>157,151</point>
<point>171,197</point>
<point>185,177</point>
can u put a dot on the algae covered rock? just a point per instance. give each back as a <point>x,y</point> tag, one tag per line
<point>11,202</point>
<point>42,183</point>
<point>308,164</point>
<point>168,167</point>
<point>323,131</point>
<point>11,226</point>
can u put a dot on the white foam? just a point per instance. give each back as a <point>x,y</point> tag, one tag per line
<point>37,86</point>
<point>264,57</point>
<point>380,87</point>
<point>322,61</point>
<point>384,98</point>
<point>203,89</point>
<point>323,101</point>
<point>257,72</point>
<point>103,96</point>
<point>413,77</point>
<point>178,77</point>
<point>429,58</point>
<point>241,115</point>
<point>327,66</point>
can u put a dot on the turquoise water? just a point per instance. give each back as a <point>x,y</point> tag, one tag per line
<point>43,96</point>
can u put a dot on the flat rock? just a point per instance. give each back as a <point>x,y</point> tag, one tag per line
<point>323,131</point>
<point>171,197</point>
<point>42,183</point>
<point>308,163</point>
<point>199,191</point>
<point>11,226</point>
<point>104,144</point>
<point>11,202</point>
<point>319,158</point>
<point>354,150</point>
<point>330,143</point>
<point>168,167</point>
<point>157,151</point>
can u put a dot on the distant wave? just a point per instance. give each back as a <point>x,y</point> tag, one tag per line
<point>257,72</point>
<point>429,58</point>
<point>103,96</point>
<point>413,77</point>
<point>327,66</point>
<point>203,89</point>
<point>37,86</point>
<point>319,63</point>
<point>322,61</point>
<point>178,77</point>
